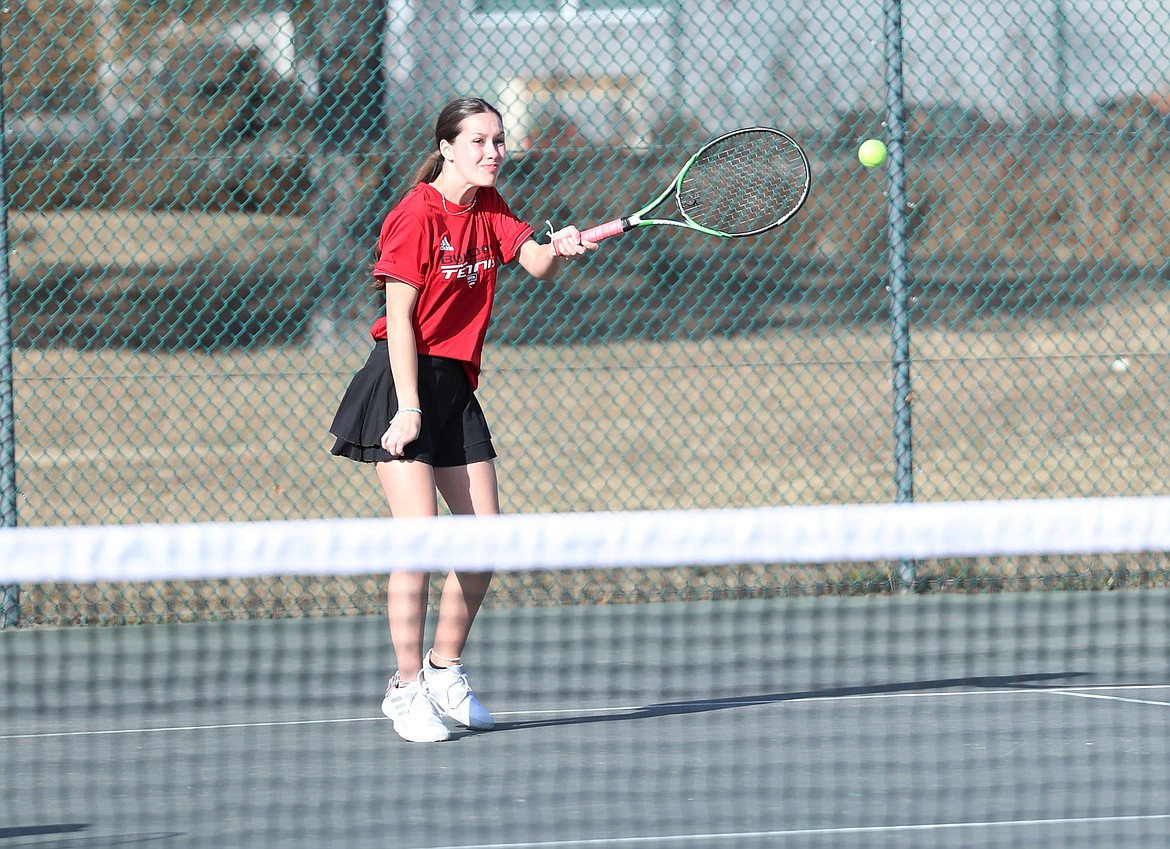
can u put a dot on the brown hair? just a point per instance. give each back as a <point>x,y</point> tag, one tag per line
<point>447,127</point>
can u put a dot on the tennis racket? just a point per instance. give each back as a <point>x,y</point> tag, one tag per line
<point>740,184</point>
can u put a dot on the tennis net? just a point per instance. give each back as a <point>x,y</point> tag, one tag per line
<point>976,674</point>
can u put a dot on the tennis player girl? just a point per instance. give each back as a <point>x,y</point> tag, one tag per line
<point>412,410</point>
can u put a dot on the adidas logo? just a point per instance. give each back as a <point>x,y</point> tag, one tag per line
<point>445,244</point>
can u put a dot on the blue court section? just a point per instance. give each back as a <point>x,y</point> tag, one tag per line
<point>1036,719</point>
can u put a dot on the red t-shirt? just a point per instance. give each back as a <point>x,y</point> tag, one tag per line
<point>451,255</point>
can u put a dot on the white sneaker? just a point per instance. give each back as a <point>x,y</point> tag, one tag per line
<point>413,713</point>
<point>452,695</point>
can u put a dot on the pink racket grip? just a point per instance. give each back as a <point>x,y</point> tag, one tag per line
<point>596,234</point>
<point>604,231</point>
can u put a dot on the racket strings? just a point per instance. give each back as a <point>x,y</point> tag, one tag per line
<point>746,183</point>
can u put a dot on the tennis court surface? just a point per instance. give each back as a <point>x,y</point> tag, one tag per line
<point>1012,719</point>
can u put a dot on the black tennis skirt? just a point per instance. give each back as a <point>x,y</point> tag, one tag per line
<point>454,429</point>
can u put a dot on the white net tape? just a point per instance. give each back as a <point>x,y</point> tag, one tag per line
<point>812,534</point>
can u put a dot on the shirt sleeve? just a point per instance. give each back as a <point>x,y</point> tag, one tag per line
<point>403,251</point>
<point>404,246</point>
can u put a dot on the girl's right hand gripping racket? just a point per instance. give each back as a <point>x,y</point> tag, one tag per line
<point>740,184</point>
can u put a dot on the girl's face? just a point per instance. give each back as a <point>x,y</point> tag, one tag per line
<point>478,152</point>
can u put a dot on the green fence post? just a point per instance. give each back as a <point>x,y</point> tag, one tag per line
<point>899,295</point>
<point>9,593</point>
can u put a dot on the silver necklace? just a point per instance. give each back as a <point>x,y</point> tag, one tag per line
<point>447,209</point>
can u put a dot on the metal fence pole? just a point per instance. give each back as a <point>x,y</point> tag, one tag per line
<point>9,593</point>
<point>898,284</point>
<point>1060,26</point>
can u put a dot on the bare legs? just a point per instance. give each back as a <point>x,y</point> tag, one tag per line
<point>410,488</point>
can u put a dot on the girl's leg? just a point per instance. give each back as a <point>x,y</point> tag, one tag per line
<point>471,489</point>
<point>410,491</point>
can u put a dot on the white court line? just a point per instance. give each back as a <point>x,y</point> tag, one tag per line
<point>727,837</point>
<point>829,697</point>
<point>164,728</point>
<point>1089,692</point>
<point>1108,698</point>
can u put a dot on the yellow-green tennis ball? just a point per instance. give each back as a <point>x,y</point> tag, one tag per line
<point>872,153</point>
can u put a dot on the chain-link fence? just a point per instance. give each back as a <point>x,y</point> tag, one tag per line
<point>194,192</point>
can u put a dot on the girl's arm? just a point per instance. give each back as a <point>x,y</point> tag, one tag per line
<point>405,427</point>
<point>543,263</point>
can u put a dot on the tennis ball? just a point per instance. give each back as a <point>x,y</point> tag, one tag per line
<point>872,153</point>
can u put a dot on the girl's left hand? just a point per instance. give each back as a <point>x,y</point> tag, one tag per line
<point>567,242</point>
